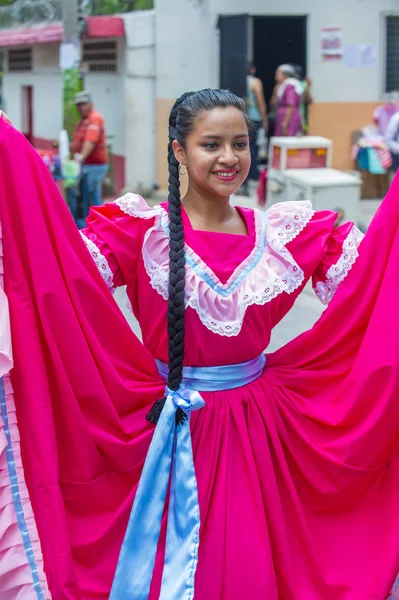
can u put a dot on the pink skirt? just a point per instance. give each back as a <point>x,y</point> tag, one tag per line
<point>295,126</point>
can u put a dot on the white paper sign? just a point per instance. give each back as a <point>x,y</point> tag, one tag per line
<point>359,56</point>
<point>69,56</point>
<point>368,55</point>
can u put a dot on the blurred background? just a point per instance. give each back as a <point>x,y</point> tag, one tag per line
<point>137,56</point>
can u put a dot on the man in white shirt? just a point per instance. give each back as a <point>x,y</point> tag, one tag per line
<point>392,139</point>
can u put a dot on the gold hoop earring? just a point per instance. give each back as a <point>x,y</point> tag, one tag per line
<point>180,170</point>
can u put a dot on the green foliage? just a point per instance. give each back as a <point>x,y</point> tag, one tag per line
<point>14,13</point>
<point>112,7</point>
<point>72,85</point>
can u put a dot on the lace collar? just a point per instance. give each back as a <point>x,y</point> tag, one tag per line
<point>268,271</point>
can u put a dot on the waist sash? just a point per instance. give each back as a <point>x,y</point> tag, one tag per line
<point>170,459</point>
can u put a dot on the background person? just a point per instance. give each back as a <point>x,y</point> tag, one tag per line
<point>89,146</point>
<point>307,97</point>
<point>257,115</point>
<point>289,96</point>
<point>392,140</point>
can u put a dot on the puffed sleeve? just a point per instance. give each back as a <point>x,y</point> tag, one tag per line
<point>340,254</point>
<point>323,252</point>
<point>113,236</point>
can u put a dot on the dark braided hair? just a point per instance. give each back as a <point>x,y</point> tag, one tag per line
<point>182,119</point>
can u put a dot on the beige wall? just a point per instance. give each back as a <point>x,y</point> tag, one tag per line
<point>334,120</point>
<point>337,121</point>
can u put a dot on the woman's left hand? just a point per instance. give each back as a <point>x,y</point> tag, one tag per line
<point>4,116</point>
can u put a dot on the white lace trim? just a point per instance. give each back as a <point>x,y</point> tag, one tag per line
<point>268,271</point>
<point>135,206</point>
<point>325,290</point>
<point>100,261</point>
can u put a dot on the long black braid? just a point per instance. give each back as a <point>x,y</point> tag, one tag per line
<point>177,262</point>
<point>181,121</point>
<point>176,308</point>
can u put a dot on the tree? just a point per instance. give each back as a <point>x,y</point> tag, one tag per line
<point>28,12</point>
<point>112,7</point>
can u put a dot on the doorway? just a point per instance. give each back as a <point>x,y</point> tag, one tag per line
<point>27,112</point>
<point>276,41</point>
<point>268,41</point>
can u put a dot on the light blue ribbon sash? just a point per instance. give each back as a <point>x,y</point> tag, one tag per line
<point>170,461</point>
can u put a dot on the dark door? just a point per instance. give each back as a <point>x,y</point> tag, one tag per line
<point>278,40</point>
<point>392,54</point>
<point>234,53</point>
<point>27,112</point>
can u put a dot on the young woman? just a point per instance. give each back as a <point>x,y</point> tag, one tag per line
<point>289,93</point>
<point>288,485</point>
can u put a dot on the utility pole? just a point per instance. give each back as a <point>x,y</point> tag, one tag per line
<point>70,58</point>
<point>70,19</point>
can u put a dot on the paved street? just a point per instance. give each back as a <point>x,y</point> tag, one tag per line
<point>307,309</point>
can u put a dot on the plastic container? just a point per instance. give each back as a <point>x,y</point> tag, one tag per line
<point>307,152</point>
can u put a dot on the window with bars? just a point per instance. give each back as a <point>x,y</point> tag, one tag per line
<point>392,54</point>
<point>19,59</point>
<point>101,56</point>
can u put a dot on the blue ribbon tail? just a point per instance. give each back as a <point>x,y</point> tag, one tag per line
<point>137,557</point>
<point>182,538</point>
<point>170,451</point>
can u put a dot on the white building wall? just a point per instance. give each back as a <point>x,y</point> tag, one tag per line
<point>187,43</point>
<point>140,123</point>
<point>107,90</point>
<point>46,80</point>
<point>186,46</point>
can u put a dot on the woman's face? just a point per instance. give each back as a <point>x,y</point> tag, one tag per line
<point>217,153</point>
<point>280,76</point>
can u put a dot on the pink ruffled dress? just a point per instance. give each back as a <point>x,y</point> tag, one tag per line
<point>298,472</point>
<point>234,296</point>
<point>289,96</point>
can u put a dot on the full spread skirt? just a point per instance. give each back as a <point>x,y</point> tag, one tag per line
<point>297,472</point>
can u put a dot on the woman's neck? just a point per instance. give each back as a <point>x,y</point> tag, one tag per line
<point>214,211</point>
<point>212,214</point>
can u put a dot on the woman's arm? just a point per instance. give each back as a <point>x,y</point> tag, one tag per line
<point>273,99</point>
<point>261,102</point>
<point>308,94</point>
<point>287,118</point>
<point>4,116</point>
<point>340,255</point>
<point>392,134</point>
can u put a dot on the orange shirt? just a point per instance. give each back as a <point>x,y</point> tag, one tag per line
<point>91,129</point>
